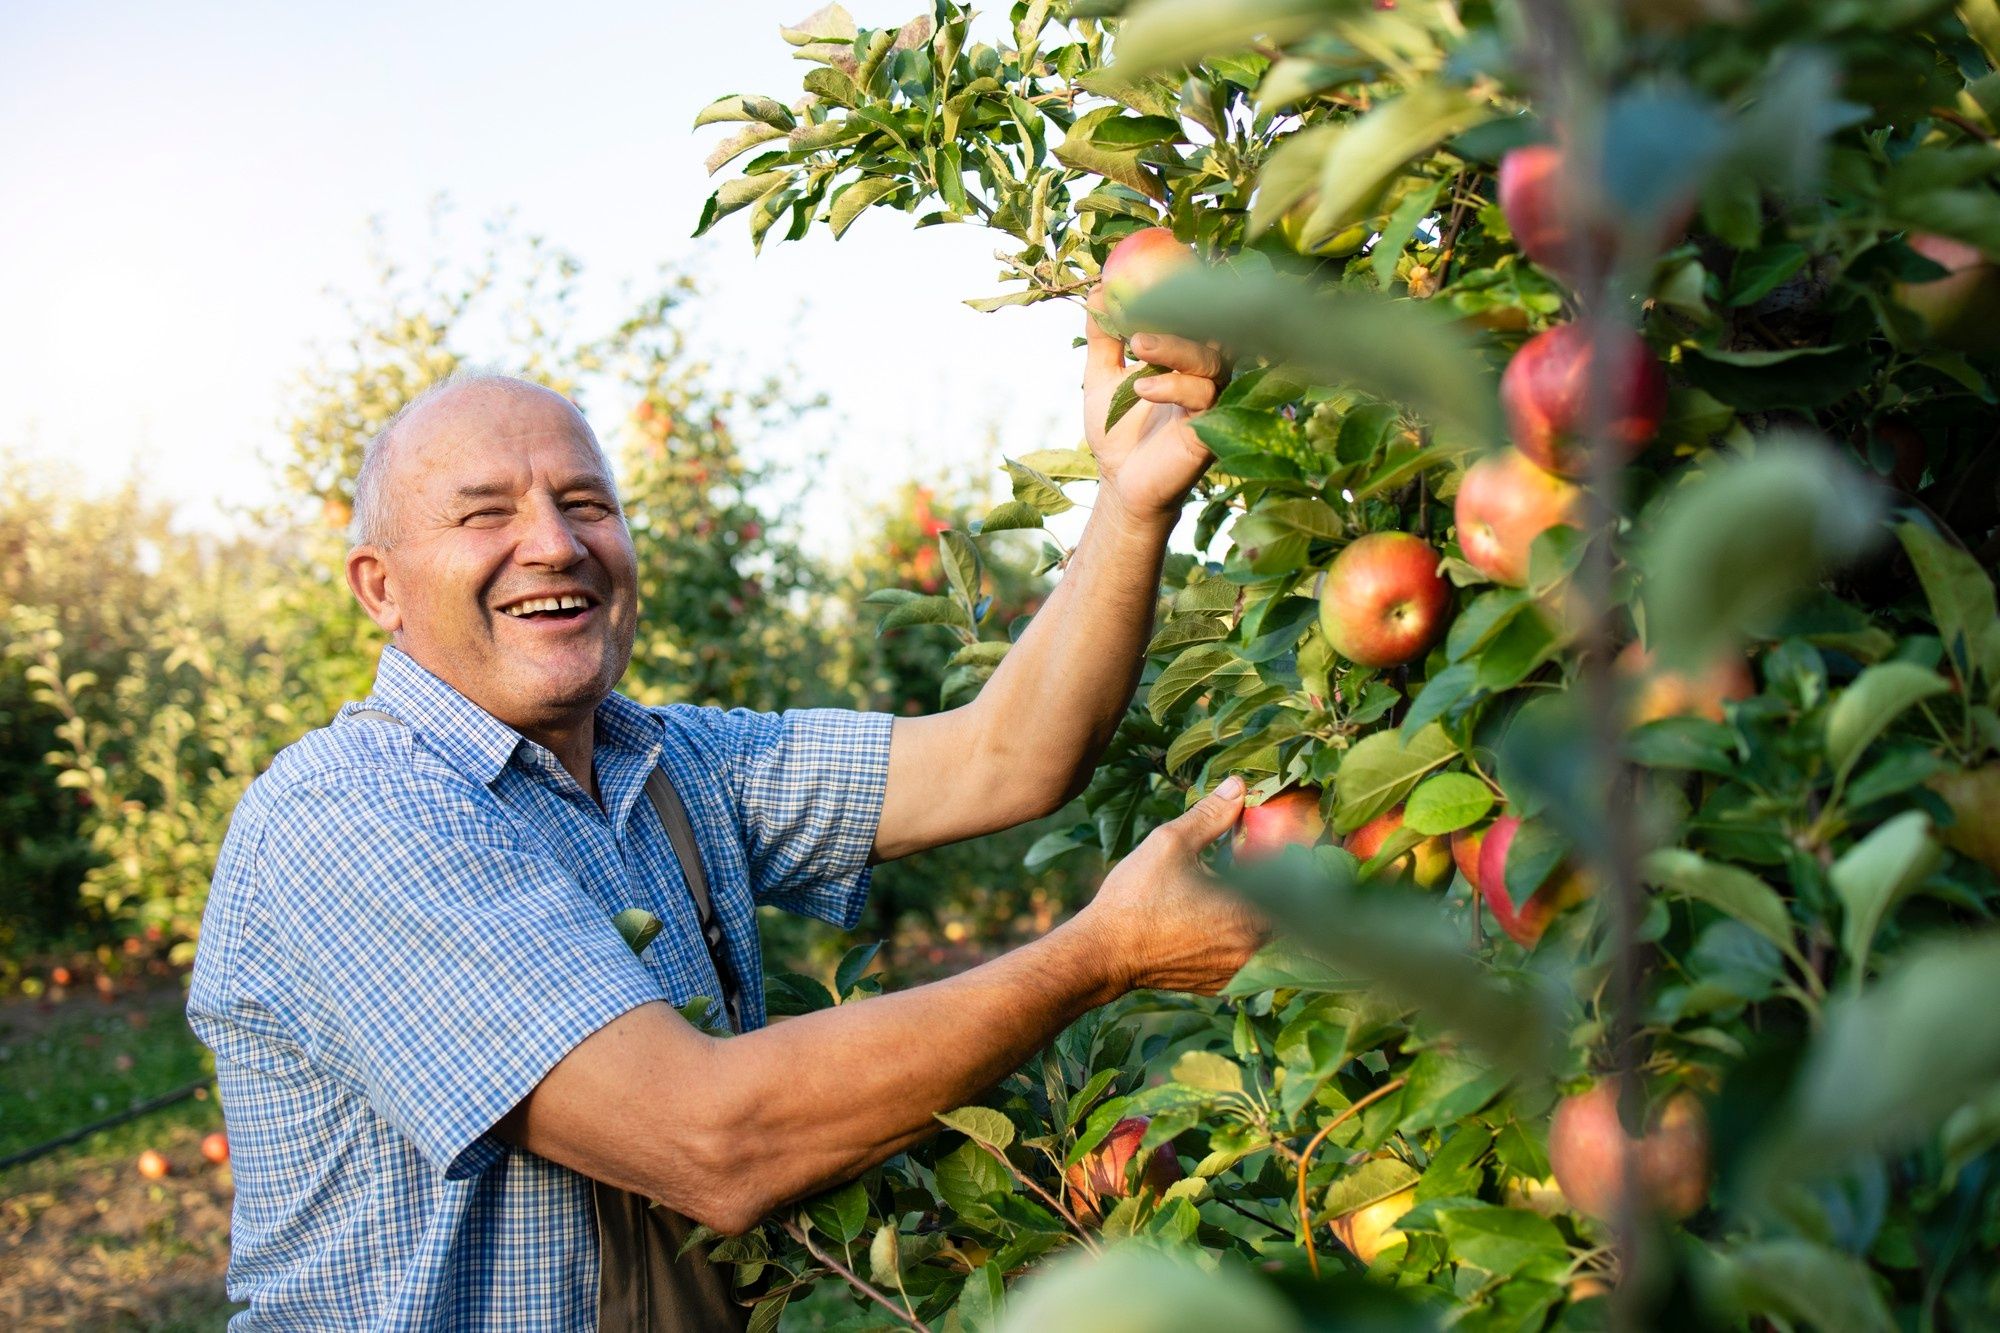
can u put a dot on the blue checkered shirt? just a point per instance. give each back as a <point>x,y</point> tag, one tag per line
<point>410,926</point>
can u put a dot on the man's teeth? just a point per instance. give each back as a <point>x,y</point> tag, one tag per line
<point>547,604</point>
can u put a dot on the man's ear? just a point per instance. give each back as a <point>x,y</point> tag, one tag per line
<point>368,577</point>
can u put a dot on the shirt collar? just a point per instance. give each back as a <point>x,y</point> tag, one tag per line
<point>469,737</point>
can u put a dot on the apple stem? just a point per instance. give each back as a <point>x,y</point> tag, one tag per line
<point>853,1279</point>
<point>1305,1160</point>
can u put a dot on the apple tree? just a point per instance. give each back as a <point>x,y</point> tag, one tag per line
<point>1593,583</point>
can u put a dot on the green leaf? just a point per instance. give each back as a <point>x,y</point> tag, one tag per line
<point>1736,544</point>
<point>961,565</point>
<point>1878,872</point>
<point>1371,1182</point>
<point>1733,892</point>
<point>1791,378</point>
<point>1199,668</point>
<point>981,1124</point>
<point>1063,464</point>
<point>1403,351</point>
<point>1036,488</point>
<point>769,1312</point>
<point>841,1213</point>
<point>1126,396</point>
<point>853,966</point>
<point>967,1174</point>
<point>1080,151</point>
<point>980,1301</point>
<point>1209,1072</point>
<point>1185,631</point>
<point>768,110</point>
<point>1760,272</point>
<point>1377,145</point>
<point>1444,1087</point>
<point>1009,516</point>
<point>1167,34</point>
<point>1797,1280</point>
<point>1961,598</point>
<point>1505,1242</point>
<point>924,611</point>
<point>638,926</point>
<point>1446,803</point>
<point>1867,706</point>
<point>1381,769</point>
<point>849,203</point>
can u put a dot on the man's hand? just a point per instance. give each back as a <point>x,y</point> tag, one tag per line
<point>1165,915</point>
<point>1152,456</point>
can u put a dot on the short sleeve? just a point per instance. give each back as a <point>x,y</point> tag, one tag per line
<point>808,787</point>
<point>447,968</point>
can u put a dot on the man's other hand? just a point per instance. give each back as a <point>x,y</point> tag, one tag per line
<point>1147,462</point>
<point>1173,926</point>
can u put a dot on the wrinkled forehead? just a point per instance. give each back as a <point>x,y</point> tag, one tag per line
<point>495,436</point>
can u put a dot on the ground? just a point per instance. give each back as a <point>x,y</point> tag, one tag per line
<point>90,1243</point>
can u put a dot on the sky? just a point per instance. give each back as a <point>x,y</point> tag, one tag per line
<point>184,186</point>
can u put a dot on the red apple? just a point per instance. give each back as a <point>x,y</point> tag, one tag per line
<point>1660,693</point>
<point>1565,887</point>
<point>1545,389</point>
<point>1371,1229</point>
<point>1958,307</point>
<point>215,1147</point>
<point>1465,845</point>
<point>1670,1160</point>
<point>1135,265</point>
<point>153,1164</point>
<point>1289,819</point>
<point>1384,601</point>
<point>1427,863</point>
<point>1503,504</point>
<point>1101,1173</point>
<point>1530,189</point>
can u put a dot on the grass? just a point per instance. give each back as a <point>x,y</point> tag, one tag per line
<point>91,1243</point>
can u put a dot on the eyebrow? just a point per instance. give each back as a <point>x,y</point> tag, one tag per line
<point>583,481</point>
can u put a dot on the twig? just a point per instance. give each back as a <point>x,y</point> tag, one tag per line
<point>1082,1233</point>
<point>1305,1160</point>
<point>1945,113</point>
<point>798,1233</point>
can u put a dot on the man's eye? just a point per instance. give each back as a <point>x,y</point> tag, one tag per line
<point>593,508</point>
<point>480,515</point>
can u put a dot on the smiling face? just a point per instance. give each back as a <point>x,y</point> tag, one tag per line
<point>509,571</point>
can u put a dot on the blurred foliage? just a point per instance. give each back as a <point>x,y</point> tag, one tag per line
<point>1771,900</point>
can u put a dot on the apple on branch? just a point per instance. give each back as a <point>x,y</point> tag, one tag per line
<point>1102,1173</point>
<point>1570,236</point>
<point>1371,1229</point>
<point>1291,818</point>
<point>1567,886</point>
<point>1503,504</point>
<point>1661,693</point>
<point>1135,265</point>
<point>1587,1143</point>
<point>1546,391</point>
<point>1958,307</point>
<point>1384,602</point>
<point>1428,863</point>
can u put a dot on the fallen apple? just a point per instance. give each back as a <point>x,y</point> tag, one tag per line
<point>1546,390</point>
<point>1291,818</point>
<point>215,1147</point>
<point>1102,1173</point>
<point>1504,502</point>
<point>1383,602</point>
<point>153,1164</point>
<point>1587,1143</point>
<point>1428,863</point>
<point>1565,887</point>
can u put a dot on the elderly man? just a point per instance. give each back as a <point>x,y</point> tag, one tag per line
<point>430,1038</point>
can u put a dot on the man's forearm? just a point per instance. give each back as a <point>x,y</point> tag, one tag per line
<point>1074,670</point>
<point>820,1098</point>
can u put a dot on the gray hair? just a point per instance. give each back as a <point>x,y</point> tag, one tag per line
<point>371,524</point>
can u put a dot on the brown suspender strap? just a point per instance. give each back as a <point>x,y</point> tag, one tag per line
<point>645,1284</point>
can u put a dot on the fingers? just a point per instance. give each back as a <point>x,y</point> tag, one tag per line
<point>1212,816</point>
<point>1184,354</point>
<point>1104,353</point>
<point>1193,392</point>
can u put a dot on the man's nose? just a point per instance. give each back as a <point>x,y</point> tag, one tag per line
<point>548,538</point>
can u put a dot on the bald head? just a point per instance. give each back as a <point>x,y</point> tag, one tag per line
<point>465,400</point>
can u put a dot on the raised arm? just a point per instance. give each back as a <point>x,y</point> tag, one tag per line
<point>725,1130</point>
<point>1029,742</point>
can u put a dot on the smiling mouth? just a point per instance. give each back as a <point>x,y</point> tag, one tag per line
<point>549,609</point>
